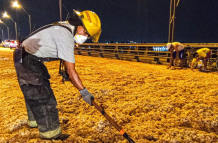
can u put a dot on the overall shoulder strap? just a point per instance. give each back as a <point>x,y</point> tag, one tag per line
<point>47,26</point>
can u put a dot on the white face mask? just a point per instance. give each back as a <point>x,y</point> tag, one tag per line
<point>80,39</point>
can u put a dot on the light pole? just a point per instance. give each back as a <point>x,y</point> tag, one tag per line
<point>16,5</point>
<point>5,15</point>
<point>170,21</point>
<point>6,26</point>
<point>60,7</point>
<point>2,34</point>
<point>173,5</point>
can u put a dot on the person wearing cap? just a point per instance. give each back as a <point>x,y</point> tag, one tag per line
<point>201,54</point>
<point>177,52</point>
<point>51,42</point>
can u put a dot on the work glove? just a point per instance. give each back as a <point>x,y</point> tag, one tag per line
<point>87,97</point>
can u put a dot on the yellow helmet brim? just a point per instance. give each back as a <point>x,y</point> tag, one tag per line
<point>95,37</point>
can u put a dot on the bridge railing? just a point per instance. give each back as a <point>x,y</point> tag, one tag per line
<point>145,52</point>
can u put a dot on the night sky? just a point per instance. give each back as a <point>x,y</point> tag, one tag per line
<point>123,20</point>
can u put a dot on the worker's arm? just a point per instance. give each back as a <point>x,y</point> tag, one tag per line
<point>177,52</point>
<point>171,59</point>
<point>73,76</point>
<point>76,81</point>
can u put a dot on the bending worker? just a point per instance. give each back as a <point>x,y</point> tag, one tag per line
<point>46,44</point>
<point>201,54</point>
<point>177,52</point>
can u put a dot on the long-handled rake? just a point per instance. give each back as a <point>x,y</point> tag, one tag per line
<point>122,132</point>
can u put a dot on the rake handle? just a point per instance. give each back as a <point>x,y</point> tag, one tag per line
<point>107,116</point>
<point>122,132</point>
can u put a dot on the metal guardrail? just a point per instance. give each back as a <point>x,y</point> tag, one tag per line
<point>140,52</point>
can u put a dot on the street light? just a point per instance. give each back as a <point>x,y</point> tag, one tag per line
<point>5,15</point>
<point>16,5</point>
<point>6,26</point>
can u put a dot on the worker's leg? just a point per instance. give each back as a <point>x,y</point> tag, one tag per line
<point>31,119</point>
<point>205,63</point>
<point>181,63</point>
<point>42,103</point>
<point>205,60</point>
<point>181,56</point>
<point>173,58</point>
<point>33,79</point>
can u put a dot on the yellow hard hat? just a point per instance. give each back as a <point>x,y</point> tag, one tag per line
<point>91,23</point>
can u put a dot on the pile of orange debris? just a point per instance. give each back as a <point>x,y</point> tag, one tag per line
<point>148,101</point>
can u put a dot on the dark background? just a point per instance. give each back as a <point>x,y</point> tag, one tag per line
<point>123,20</point>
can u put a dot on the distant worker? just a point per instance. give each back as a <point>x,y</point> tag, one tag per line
<point>177,52</point>
<point>201,54</point>
<point>52,42</point>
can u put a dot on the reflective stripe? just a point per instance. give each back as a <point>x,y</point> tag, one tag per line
<point>33,124</point>
<point>181,56</point>
<point>50,134</point>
